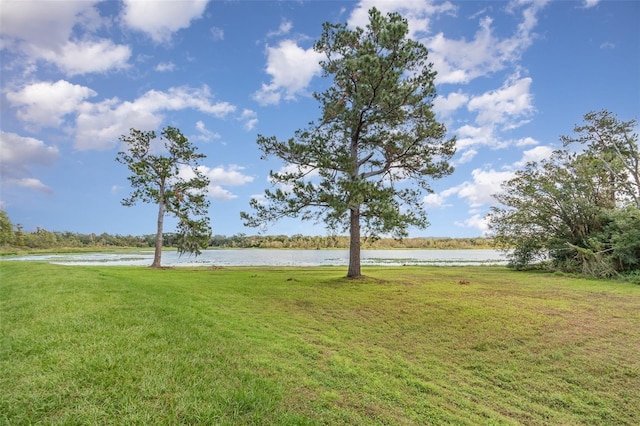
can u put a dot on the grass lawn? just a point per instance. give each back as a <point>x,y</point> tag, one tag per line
<point>407,346</point>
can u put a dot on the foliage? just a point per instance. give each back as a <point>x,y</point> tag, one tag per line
<point>377,132</point>
<point>623,233</point>
<point>173,181</point>
<point>299,241</point>
<point>551,207</point>
<point>43,239</point>
<point>296,346</point>
<point>614,146</point>
<point>7,234</point>
<point>575,209</point>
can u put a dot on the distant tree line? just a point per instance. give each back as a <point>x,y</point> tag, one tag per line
<point>299,241</point>
<point>13,237</point>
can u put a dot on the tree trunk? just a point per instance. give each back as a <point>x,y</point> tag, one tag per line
<point>157,257</point>
<point>354,244</point>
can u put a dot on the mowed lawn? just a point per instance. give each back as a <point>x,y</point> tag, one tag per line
<point>406,346</point>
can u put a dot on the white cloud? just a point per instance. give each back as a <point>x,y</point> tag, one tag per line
<point>19,150</point>
<point>284,28</point>
<point>18,154</point>
<point>590,3</point>
<point>217,34</point>
<point>476,221</point>
<point>32,184</point>
<point>46,24</point>
<point>476,135</point>
<point>205,135</point>
<point>160,20</point>
<point>251,124</point>
<point>165,67</point>
<point>220,176</point>
<point>417,13</point>
<point>446,105</point>
<point>268,94</point>
<point>250,119</point>
<point>526,141</point>
<point>461,61</point>
<point>74,58</point>
<point>230,176</point>
<point>219,193</point>
<point>44,30</point>
<point>507,105</point>
<point>183,97</point>
<point>99,125</point>
<point>46,103</point>
<point>467,155</point>
<point>434,201</point>
<point>291,69</point>
<point>536,154</point>
<point>480,191</point>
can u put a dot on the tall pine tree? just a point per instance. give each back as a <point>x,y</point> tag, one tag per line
<point>365,164</point>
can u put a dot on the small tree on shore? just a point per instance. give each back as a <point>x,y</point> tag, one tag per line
<point>171,180</point>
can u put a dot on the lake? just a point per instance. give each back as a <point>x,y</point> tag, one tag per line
<point>267,257</point>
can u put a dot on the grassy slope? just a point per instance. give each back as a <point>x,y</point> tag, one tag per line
<point>125,345</point>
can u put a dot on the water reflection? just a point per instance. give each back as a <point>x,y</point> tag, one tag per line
<point>266,257</point>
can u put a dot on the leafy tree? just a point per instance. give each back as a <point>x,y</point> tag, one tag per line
<point>614,145</point>
<point>623,236</point>
<point>41,239</point>
<point>19,236</point>
<point>173,181</point>
<point>7,235</point>
<point>547,206</point>
<point>568,208</point>
<point>376,134</point>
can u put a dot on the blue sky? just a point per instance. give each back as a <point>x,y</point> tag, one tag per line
<point>512,77</point>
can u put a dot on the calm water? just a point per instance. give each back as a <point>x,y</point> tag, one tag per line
<point>266,257</point>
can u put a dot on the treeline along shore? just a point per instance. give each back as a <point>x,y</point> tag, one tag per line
<point>43,239</point>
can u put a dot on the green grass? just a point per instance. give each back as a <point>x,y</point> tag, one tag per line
<point>409,345</point>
